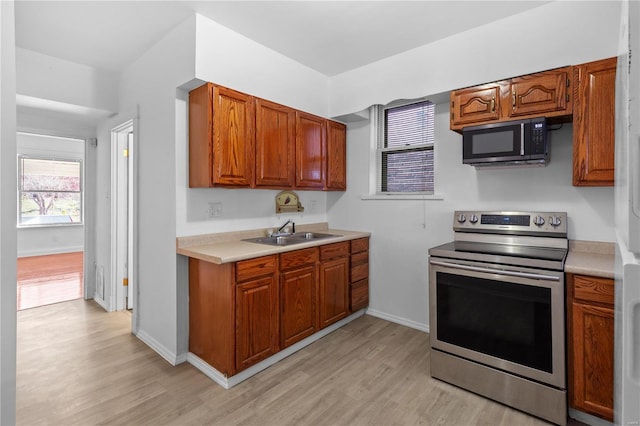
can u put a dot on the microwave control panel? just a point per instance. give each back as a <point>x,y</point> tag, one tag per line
<point>538,136</point>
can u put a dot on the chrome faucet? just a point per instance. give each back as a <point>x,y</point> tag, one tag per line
<point>293,227</point>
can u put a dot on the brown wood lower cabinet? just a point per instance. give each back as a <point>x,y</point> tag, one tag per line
<point>590,313</point>
<point>359,275</point>
<point>333,286</point>
<point>244,312</point>
<point>298,295</point>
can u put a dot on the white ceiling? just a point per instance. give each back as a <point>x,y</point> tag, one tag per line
<point>329,36</point>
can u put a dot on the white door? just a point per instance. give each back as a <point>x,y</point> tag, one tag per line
<point>123,225</point>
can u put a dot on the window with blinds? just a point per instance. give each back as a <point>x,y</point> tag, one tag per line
<point>405,148</point>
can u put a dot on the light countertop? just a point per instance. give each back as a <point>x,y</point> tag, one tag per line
<point>592,258</point>
<point>229,247</point>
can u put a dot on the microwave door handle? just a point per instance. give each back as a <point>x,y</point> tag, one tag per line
<point>521,138</point>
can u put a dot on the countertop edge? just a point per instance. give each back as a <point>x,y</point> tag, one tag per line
<point>236,250</point>
<point>592,258</point>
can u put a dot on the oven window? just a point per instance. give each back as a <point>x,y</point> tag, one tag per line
<point>505,320</point>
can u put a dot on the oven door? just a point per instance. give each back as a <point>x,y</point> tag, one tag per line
<point>508,318</point>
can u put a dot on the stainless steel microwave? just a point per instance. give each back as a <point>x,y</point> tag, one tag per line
<point>510,143</point>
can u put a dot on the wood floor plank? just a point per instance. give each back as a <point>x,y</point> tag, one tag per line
<point>79,365</point>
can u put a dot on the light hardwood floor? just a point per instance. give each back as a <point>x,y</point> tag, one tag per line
<point>78,365</point>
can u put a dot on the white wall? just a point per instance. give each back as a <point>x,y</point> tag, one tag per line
<point>7,214</point>
<point>77,87</point>
<point>36,241</point>
<point>556,34</point>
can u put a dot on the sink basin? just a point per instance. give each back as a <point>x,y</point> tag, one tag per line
<point>313,235</point>
<point>287,240</point>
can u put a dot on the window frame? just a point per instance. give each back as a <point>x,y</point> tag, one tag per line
<point>379,132</point>
<point>20,190</point>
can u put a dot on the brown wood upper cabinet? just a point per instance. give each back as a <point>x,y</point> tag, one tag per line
<point>237,140</point>
<point>593,123</point>
<point>311,145</point>
<point>545,93</point>
<point>221,137</point>
<point>475,105</point>
<point>336,178</point>
<point>275,145</point>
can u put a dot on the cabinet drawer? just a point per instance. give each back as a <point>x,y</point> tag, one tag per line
<point>359,295</point>
<point>359,272</point>
<point>359,258</point>
<point>297,258</point>
<point>593,289</point>
<point>257,267</point>
<point>361,244</point>
<point>334,250</point>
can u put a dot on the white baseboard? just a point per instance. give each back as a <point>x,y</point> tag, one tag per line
<point>228,382</point>
<point>45,252</point>
<point>588,418</point>
<point>100,302</point>
<point>398,320</point>
<point>165,353</point>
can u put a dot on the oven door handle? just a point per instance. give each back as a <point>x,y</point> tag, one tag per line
<point>496,271</point>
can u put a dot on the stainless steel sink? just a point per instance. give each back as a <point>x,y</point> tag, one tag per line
<point>289,239</point>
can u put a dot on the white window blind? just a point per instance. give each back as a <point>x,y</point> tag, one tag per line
<point>405,149</point>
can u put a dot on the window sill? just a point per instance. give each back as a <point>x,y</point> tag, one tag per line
<point>403,197</point>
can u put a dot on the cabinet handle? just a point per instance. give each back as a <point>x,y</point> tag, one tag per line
<point>514,100</point>
<point>493,104</point>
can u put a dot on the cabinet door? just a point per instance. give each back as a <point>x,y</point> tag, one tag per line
<point>336,156</point>
<point>298,303</point>
<point>475,105</point>
<point>256,321</point>
<point>593,123</point>
<point>542,93</point>
<point>592,359</point>
<point>334,290</point>
<point>233,138</point>
<point>275,143</point>
<point>311,138</point>
<point>201,136</point>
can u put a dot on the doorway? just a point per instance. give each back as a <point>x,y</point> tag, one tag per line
<point>123,283</point>
<point>51,226</point>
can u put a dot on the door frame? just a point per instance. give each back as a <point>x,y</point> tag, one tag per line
<point>119,134</point>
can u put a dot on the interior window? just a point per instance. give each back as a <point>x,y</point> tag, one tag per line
<point>49,191</point>
<point>405,148</point>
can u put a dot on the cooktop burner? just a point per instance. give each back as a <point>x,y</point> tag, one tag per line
<point>543,253</point>
<point>543,257</point>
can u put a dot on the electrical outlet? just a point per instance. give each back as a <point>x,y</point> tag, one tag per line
<point>215,209</point>
<point>313,206</point>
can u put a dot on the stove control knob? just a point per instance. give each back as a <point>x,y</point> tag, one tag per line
<point>538,221</point>
<point>554,221</point>
<point>462,218</point>
<point>473,218</point>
